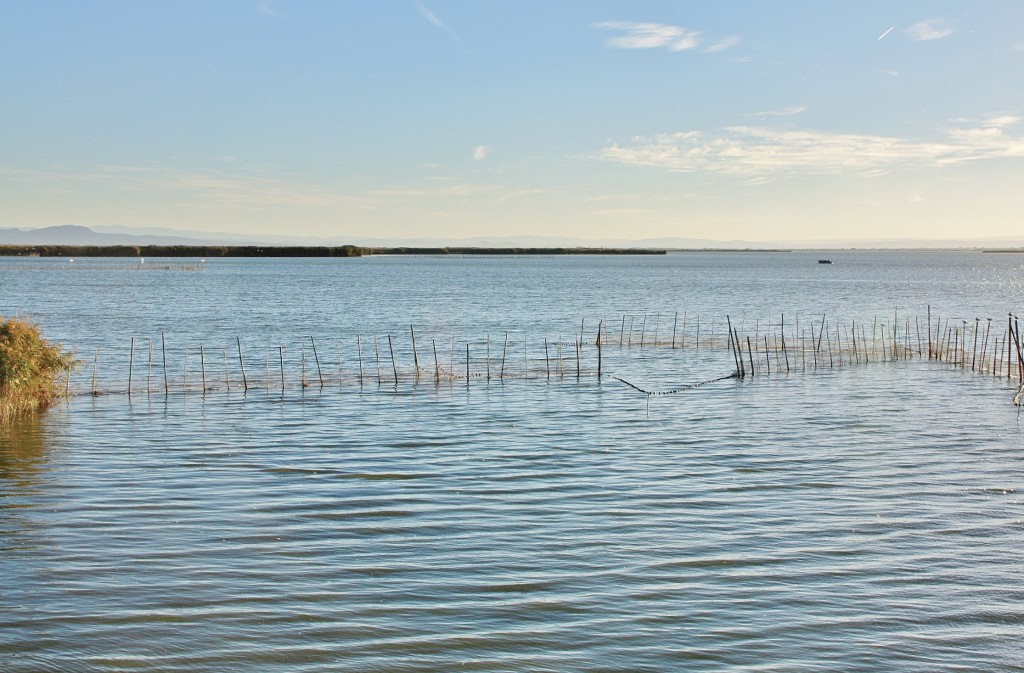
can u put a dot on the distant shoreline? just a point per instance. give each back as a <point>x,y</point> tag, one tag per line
<point>291,251</point>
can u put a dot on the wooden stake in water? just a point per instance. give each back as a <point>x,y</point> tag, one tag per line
<point>750,355</point>
<point>599,326</point>
<point>359,354</point>
<point>675,321</point>
<point>241,365</point>
<point>316,358</point>
<point>577,361</point>
<point>163,347</point>
<point>504,351</point>
<point>547,360</point>
<point>376,358</point>
<point>280,355</point>
<point>467,363</point>
<point>930,332</point>
<point>95,363</point>
<point>785,354</point>
<point>131,361</point>
<point>415,355</point>
<point>394,367</point>
<point>149,373</point>
<point>437,367</point>
<point>732,346</point>
<point>202,367</point>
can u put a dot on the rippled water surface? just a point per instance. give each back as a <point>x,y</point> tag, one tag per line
<point>861,518</point>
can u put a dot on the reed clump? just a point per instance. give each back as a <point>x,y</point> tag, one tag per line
<point>32,370</point>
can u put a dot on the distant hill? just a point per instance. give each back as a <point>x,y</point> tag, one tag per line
<point>74,235</point>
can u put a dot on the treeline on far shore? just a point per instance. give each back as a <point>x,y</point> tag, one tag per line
<point>289,251</point>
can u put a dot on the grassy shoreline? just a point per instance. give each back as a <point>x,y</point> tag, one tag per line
<point>32,370</point>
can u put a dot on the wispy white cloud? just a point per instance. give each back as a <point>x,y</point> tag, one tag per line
<point>631,35</point>
<point>267,9</point>
<point>932,29</point>
<point>759,151</point>
<point>722,44</point>
<point>783,112</point>
<point>432,18</point>
<point>480,152</point>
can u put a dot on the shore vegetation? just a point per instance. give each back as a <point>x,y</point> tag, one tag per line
<point>33,371</point>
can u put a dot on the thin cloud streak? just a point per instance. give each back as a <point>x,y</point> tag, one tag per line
<point>661,36</point>
<point>758,151</point>
<point>432,18</point>
<point>784,112</point>
<point>268,10</point>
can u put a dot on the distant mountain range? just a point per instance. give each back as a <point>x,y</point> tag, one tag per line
<point>114,235</point>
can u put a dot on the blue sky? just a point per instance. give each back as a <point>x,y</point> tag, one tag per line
<point>443,119</point>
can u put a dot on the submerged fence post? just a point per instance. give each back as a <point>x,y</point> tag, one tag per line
<point>504,351</point>
<point>280,355</point>
<point>732,346</point>
<point>415,355</point>
<point>437,367</point>
<point>929,331</point>
<point>394,367</point>
<point>316,358</point>
<point>241,365</point>
<point>547,360</point>
<point>131,361</point>
<point>359,356</point>
<point>163,347</point>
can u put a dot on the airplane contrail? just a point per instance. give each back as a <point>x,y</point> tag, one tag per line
<point>886,33</point>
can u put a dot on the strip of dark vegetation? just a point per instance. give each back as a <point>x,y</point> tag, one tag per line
<point>288,251</point>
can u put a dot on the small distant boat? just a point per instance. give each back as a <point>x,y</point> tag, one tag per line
<point>824,261</point>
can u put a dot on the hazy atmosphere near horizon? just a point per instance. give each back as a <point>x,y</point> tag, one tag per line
<point>441,119</point>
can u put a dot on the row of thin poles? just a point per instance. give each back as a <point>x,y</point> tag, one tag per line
<point>826,345</point>
<point>976,346</point>
<point>375,361</point>
<point>781,346</point>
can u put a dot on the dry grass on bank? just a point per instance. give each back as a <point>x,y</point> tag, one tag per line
<point>32,370</point>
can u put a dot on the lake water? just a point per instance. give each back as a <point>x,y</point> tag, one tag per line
<point>858,518</point>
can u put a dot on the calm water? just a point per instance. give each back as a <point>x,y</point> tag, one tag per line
<point>858,519</point>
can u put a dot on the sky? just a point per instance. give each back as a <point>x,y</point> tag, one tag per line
<point>412,119</point>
